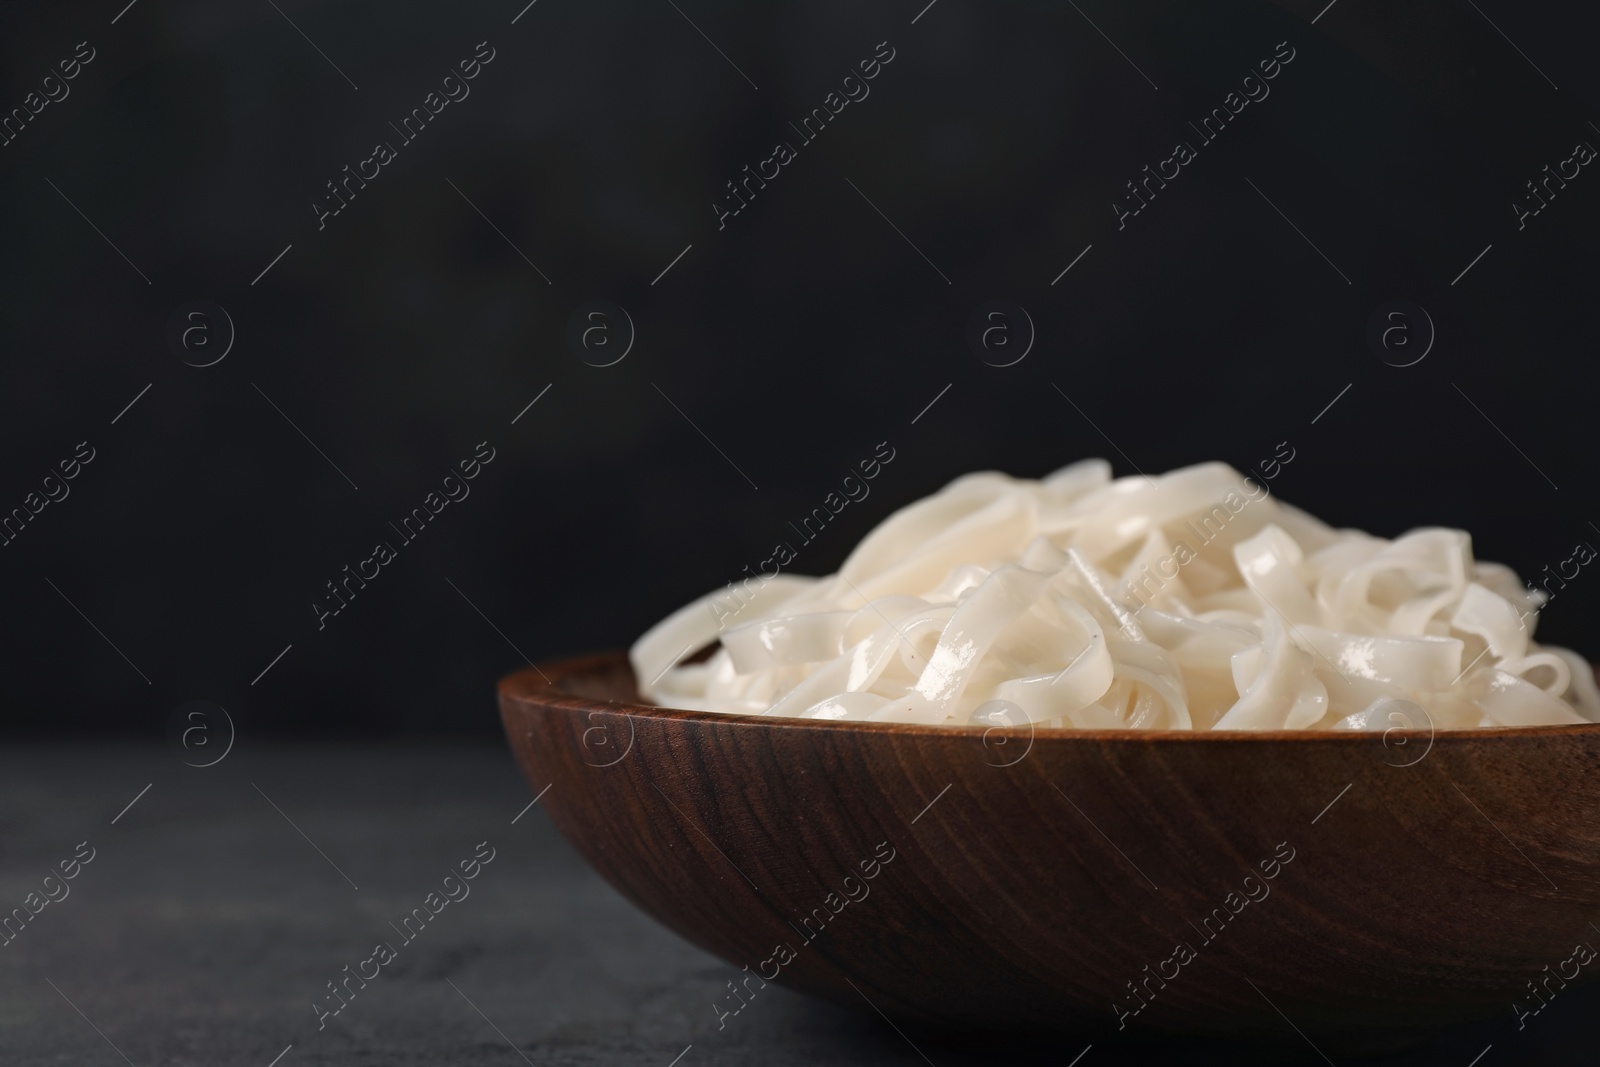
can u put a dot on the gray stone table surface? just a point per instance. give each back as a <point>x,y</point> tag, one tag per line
<point>217,908</point>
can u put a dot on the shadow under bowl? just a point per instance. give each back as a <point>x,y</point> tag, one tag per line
<point>1365,890</point>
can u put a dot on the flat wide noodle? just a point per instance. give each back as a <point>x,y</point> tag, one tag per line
<point>1189,601</point>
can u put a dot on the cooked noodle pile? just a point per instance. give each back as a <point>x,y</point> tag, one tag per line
<point>1191,601</point>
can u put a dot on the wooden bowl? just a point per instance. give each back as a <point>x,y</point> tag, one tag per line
<point>1362,890</point>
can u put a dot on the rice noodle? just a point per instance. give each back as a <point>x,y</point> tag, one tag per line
<point>1190,601</point>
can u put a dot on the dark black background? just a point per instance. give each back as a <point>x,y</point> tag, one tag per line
<point>797,338</point>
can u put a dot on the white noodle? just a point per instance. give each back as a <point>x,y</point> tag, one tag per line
<point>1191,601</point>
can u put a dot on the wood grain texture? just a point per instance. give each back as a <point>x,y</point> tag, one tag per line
<point>1052,879</point>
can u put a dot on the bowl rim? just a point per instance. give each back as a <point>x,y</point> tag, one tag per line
<point>540,684</point>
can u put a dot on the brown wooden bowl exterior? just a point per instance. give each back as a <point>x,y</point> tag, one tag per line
<point>1056,872</point>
